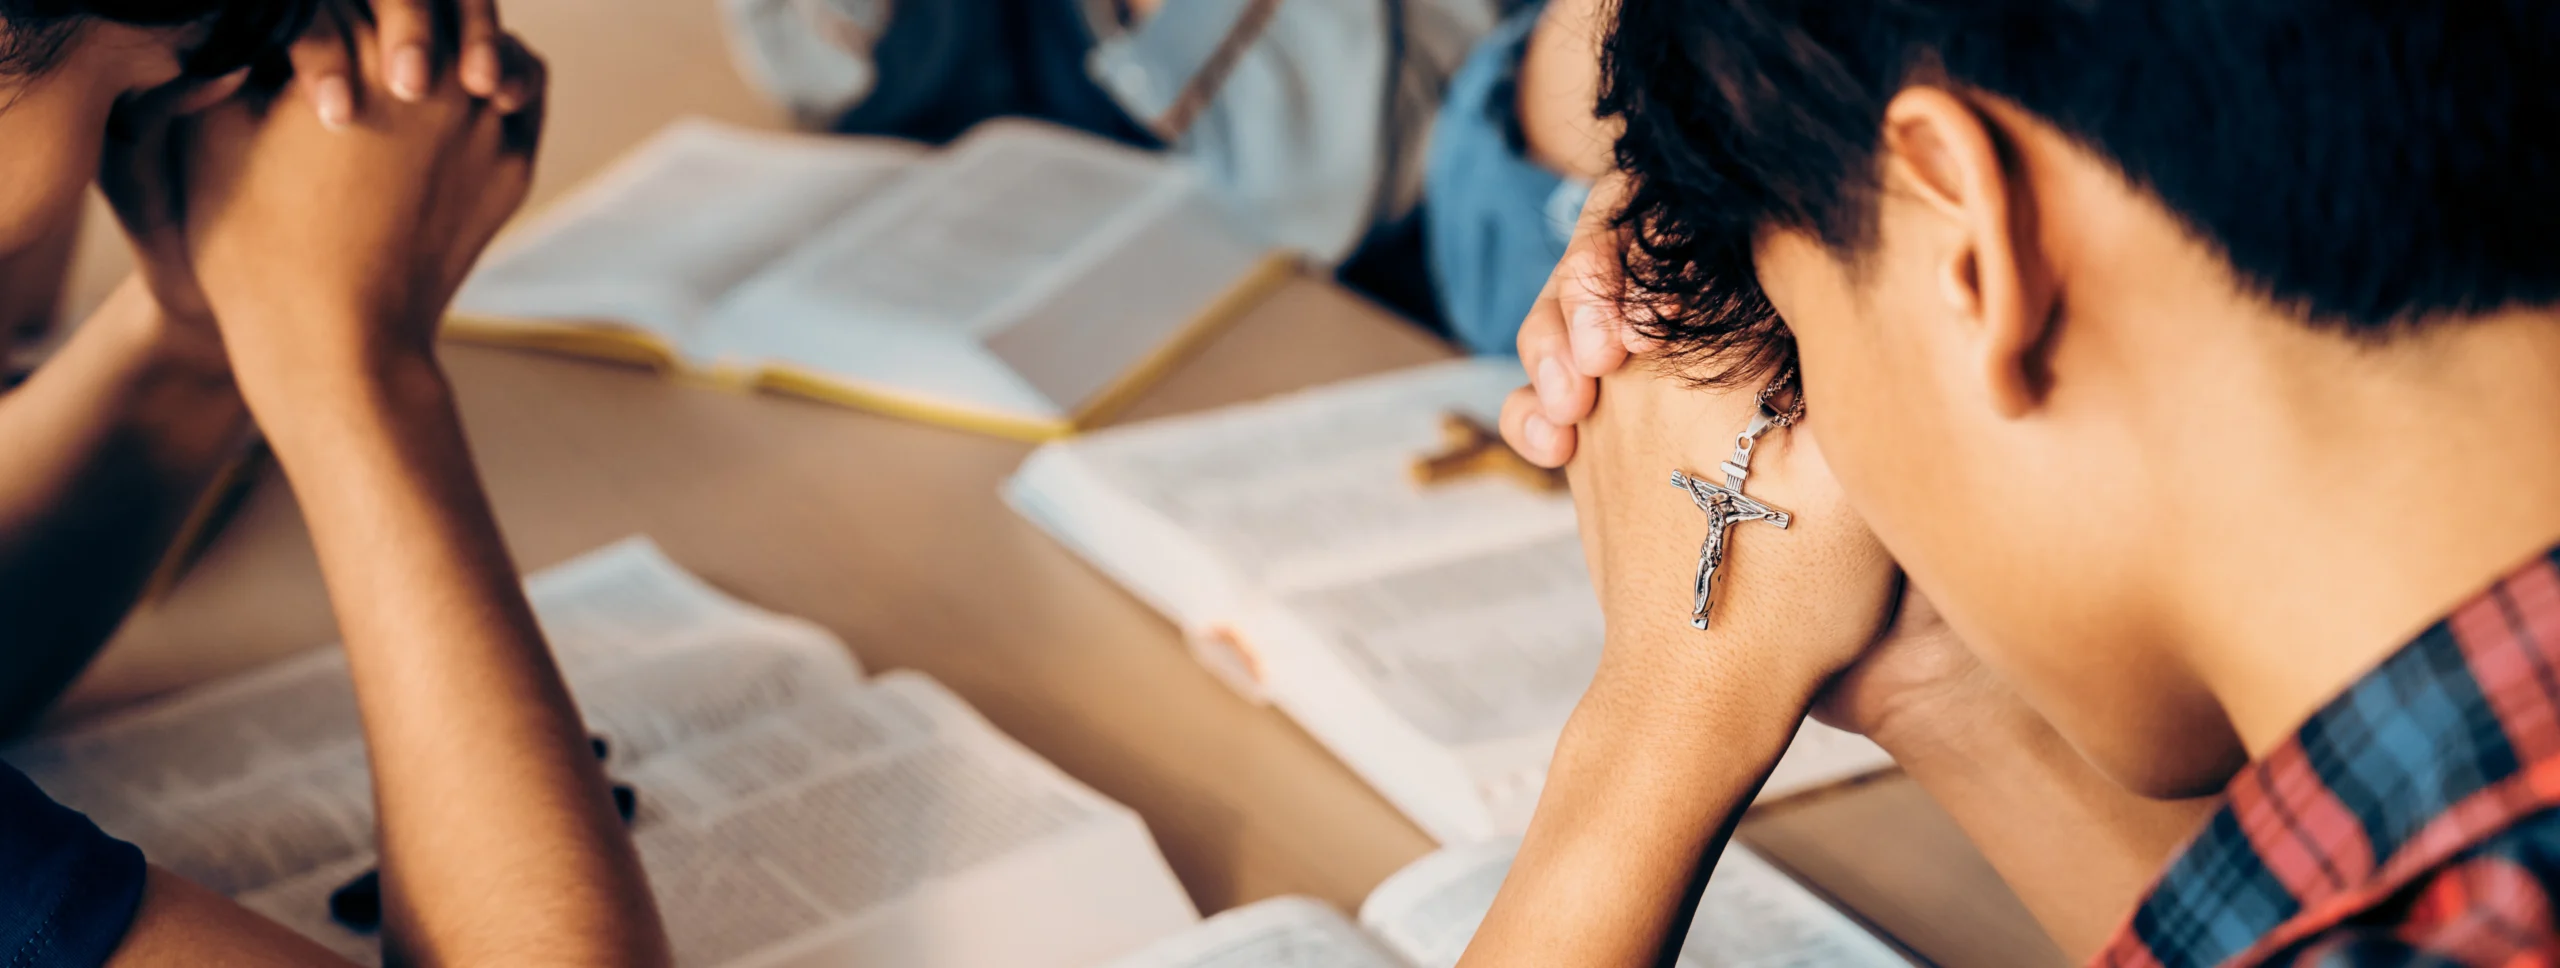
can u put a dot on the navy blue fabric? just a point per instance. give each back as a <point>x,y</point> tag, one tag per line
<point>67,890</point>
<point>944,66</point>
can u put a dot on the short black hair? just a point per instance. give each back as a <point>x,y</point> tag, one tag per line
<point>2372,164</point>
<point>230,34</point>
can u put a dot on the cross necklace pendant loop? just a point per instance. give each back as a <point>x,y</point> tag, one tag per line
<point>1725,504</point>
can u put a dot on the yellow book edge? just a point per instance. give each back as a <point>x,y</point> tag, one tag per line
<point>621,344</point>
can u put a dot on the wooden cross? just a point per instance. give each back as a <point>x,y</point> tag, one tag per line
<point>1725,506</point>
<point>1471,449</point>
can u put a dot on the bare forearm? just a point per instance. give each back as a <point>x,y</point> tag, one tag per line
<point>499,841</point>
<point>109,445</point>
<point>2077,848</point>
<point>1560,87</point>
<point>1640,799</point>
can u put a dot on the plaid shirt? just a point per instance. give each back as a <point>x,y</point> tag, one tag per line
<point>2409,821</point>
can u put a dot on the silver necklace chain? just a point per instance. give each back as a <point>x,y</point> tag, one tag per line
<point>1794,412</point>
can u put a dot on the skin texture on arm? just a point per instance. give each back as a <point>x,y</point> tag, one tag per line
<point>2078,849</point>
<point>499,841</point>
<point>183,923</point>
<point>1637,805</point>
<point>110,444</point>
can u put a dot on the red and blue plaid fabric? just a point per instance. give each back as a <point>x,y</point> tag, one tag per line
<point>2409,821</point>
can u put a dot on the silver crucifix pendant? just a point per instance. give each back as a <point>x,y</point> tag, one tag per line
<point>1726,506</point>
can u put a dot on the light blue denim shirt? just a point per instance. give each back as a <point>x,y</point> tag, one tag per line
<point>1498,222</point>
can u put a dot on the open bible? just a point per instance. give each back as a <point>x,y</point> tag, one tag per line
<point>1751,916</point>
<point>789,811</point>
<point>1433,637</point>
<point>1025,280</point>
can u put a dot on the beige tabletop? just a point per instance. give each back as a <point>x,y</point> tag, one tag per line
<point>891,534</point>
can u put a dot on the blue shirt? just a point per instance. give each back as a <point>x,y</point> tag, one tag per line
<point>67,890</point>
<point>1496,222</point>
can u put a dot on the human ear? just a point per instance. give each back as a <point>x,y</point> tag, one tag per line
<point>1940,150</point>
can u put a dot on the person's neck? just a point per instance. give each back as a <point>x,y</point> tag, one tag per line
<point>2344,497</point>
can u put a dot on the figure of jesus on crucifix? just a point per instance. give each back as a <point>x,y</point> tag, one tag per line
<point>1725,504</point>
<point>1725,507</point>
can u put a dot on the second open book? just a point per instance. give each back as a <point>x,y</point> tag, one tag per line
<point>1024,281</point>
<point>1434,638</point>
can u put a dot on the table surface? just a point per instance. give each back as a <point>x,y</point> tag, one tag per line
<point>892,535</point>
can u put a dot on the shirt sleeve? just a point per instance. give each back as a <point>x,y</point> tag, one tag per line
<point>67,890</point>
<point>2491,907</point>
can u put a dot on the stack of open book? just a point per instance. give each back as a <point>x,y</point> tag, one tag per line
<point>792,812</point>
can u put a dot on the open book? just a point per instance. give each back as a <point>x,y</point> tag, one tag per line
<point>790,812</point>
<point>1025,280</point>
<point>1751,916</point>
<point>1435,638</point>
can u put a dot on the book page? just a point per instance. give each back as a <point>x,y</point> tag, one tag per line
<point>787,809</point>
<point>906,291</point>
<point>1316,488</point>
<point>893,827</point>
<point>1446,685</point>
<point>1435,638</point>
<point>1751,916</point>
<point>1469,650</point>
<point>664,234</point>
<point>1487,656</point>
<point>607,615</point>
<point>1282,932</point>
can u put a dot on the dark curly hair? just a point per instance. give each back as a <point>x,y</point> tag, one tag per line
<point>229,34</point>
<point>2373,164</point>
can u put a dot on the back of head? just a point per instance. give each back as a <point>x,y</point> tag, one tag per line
<point>2372,164</point>
<point>2090,295</point>
<point>222,35</point>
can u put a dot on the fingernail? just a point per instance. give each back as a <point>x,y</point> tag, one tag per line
<point>1552,382</point>
<point>1540,435</point>
<point>1586,316</point>
<point>408,73</point>
<point>336,102</point>
<point>480,69</point>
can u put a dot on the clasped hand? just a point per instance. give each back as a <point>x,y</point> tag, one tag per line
<point>1817,605</point>
<point>317,245</point>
